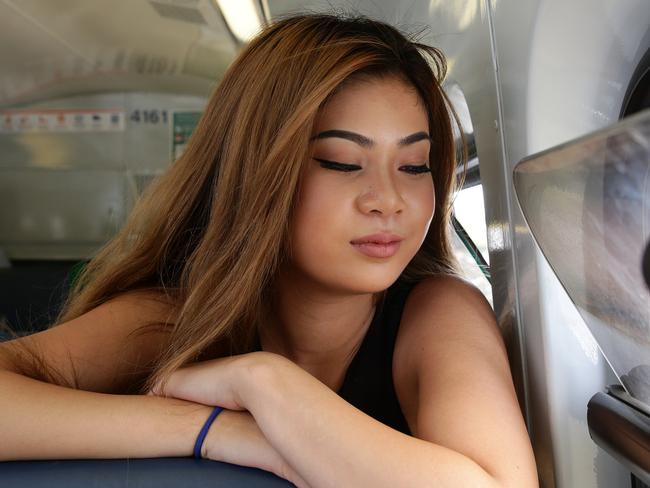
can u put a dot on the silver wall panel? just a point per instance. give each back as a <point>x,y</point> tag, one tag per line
<point>64,194</point>
<point>563,68</point>
<point>66,150</point>
<point>58,213</point>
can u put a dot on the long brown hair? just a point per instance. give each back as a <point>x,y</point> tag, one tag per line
<point>210,234</point>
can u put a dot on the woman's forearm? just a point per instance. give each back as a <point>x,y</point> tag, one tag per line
<point>329,443</point>
<point>43,421</point>
<point>236,438</point>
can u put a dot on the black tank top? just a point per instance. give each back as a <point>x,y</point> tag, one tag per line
<point>368,383</point>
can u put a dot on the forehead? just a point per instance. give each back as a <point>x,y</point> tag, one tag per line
<point>374,105</point>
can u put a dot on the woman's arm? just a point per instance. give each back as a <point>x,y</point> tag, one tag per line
<point>39,420</point>
<point>237,439</point>
<point>43,421</point>
<point>98,353</point>
<point>323,438</point>
<point>330,443</point>
<point>451,371</point>
<point>468,428</point>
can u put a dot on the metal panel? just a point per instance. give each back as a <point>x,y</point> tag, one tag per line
<point>64,194</point>
<point>66,150</point>
<point>57,49</point>
<point>563,70</point>
<point>59,212</point>
<point>622,430</point>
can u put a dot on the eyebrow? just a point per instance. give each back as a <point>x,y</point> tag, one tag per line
<point>367,142</point>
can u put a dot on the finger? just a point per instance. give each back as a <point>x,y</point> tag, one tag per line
<point>196,383</point>
<point>207,382</point>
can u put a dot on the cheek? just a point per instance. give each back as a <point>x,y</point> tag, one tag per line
<point>423,209</point>
<point>429,201</point>
<point>326,218</point>
<point>316,223</point>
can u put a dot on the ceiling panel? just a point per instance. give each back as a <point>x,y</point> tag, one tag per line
<point>51,48</point>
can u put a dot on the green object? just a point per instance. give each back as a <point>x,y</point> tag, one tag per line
<point>183,124</point>
<point>472,249</point>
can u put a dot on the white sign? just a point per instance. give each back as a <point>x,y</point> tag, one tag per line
<point>55,120</point>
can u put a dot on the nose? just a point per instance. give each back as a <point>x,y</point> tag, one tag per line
<point>381,195</point>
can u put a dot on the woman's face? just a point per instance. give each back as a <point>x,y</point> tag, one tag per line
<point>368,180</point>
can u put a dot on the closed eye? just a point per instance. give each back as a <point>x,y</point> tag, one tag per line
<point>416,169</point>
<point>337,166</point>
<point>411,169</point>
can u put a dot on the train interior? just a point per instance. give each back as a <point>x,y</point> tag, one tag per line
<point>552,223</point>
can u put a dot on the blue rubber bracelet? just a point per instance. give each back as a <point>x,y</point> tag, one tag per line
<point>204,431</point>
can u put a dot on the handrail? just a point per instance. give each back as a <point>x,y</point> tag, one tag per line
<point>621,430</point>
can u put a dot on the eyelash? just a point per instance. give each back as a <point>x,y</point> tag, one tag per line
<point>348,168</point>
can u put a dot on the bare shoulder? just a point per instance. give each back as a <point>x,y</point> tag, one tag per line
<point>142,306</point>
<point>122,314</point>
<point>102,349</point>
<point>440,292</point>
<point>453,381</point>
<point>447,307</point>
<point>438,311</point>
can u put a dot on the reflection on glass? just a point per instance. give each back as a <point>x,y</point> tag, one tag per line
<point>587,204</point>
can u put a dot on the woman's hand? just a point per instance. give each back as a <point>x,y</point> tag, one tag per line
<point>235,438</point>
<point>218,382</point>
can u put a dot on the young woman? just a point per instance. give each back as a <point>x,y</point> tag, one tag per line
<point>294,269</point>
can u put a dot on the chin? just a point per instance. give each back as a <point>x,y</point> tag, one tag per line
<point>373,282</point>
<point>353,276</point>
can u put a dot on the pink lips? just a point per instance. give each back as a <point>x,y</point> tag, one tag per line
<point>381,245</point>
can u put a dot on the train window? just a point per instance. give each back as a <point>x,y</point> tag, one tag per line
<point>469,210</point>
<point>470,236</point>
